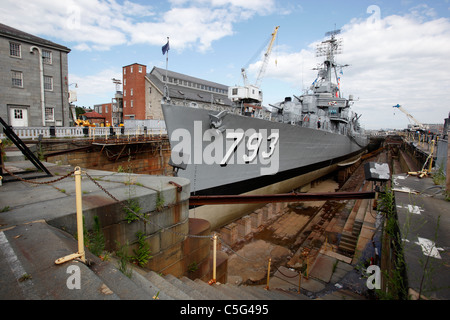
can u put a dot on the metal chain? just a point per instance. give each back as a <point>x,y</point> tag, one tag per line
<point>237,254</point>
<point>279,270</point>
<point>142,216</point>
<point>37,182</point>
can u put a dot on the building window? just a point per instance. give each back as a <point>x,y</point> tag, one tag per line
<point>131,69</point>
<point>15,49</point>
<point>140,69</point>
<point>17,79</point>
<point>131,92</point>
<point>131,103</point>
<point>18,114</point>
<point>106,109</point>
<point>48,83</point>
<point>47,56</point>
<point>125,92</point>
<point>124,70</point>
<point>124,82</point>
<point>49,114</point>
<point>124,103</point>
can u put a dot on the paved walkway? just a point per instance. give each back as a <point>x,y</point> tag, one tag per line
<point>424,221</point>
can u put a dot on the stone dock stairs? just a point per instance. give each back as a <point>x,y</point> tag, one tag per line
<point>28,272</point>
<point>172,288</point>
<point>349,240</point>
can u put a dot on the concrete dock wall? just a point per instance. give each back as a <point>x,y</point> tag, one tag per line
<point>166,227</point>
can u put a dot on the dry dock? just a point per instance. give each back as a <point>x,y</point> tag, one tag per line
<point>318,250</point>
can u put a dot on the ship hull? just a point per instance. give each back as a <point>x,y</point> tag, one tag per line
<point>298,156</point>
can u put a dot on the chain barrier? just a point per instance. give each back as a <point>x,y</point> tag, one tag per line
<point>234,252</point>
<point>142,216</point>
<point>37,182</point>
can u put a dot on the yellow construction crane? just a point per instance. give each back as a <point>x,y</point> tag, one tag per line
<point>262,71</point>
<point>251,92</point>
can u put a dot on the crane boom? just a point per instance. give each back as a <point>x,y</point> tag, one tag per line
<point>266,57</point>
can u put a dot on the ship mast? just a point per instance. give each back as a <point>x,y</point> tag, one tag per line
<point>329,49</point>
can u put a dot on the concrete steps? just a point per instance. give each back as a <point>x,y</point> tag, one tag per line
<point>186,289</point>
<point>21,278</point>
<point>348,242</point>
<point>168,287</point>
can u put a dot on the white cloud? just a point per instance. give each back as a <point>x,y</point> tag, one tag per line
<point>95,87</point>
<point>261,7</point>
<point>186,27</point>
<point>397,59</point>
<point>102,24</point>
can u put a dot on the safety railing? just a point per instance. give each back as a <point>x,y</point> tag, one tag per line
<point>80,132</point>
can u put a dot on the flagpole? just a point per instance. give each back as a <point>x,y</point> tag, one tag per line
<point>167,58</point>
<point>167,67</point>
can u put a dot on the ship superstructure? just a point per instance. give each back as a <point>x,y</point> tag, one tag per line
<point>249,148</point>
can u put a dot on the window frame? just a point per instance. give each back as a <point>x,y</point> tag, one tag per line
<point>47,60</point>
<point>52,118</point>
<point>46,83</point>
<point>13,73</point>
<point>20,49</point>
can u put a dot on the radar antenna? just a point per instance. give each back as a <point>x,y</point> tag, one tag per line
<point>330,47</point>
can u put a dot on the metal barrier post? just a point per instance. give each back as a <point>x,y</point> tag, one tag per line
<point>307,267</point>
<point>214,279</point>
<point>268,275</point>
<point>431,158</point>
<point>81,253</point>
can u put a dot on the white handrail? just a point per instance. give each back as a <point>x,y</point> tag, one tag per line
<point>74,132</point>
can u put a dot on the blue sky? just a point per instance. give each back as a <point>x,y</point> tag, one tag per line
<point>397,50</point>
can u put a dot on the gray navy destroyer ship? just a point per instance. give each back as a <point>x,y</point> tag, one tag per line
<point>252,149</point>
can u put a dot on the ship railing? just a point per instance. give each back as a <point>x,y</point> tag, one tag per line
<point>265,115</point>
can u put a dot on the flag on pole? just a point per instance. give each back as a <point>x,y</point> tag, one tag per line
<point>166,47</point>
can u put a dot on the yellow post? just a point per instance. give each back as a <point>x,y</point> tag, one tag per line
<point>80,254</point>
<point>214,277</point>
<point>268,275</point>
<point>79,203</point>
<point>431,158</point>
<point>214,256</point>
<point>307,267</point>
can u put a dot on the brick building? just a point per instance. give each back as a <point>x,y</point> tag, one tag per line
<point>34,80</point>
<point>106,111</point>
<point>134,91</point>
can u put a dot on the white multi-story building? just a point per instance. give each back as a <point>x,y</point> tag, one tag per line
<point>33,81</point>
